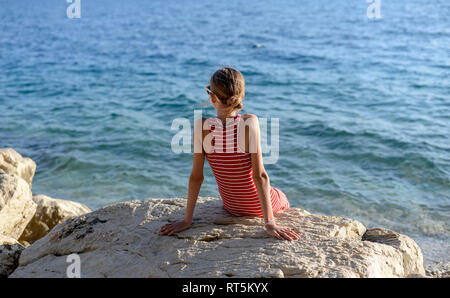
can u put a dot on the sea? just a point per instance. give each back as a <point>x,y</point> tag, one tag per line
<point>90,90</point>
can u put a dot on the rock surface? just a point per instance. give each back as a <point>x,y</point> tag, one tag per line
<point>410,251</point>
<point>49,213</point>
<point>438,270</point>
<point>122,240</point>
<point>16,205</point>
<point>12,162</point>
<point>10,251</point>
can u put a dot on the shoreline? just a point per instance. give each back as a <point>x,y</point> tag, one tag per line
<point>43,224</point>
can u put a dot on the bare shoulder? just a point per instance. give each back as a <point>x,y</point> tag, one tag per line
<point>249,116</point>
<point>204,127</point>
<point>251,120</point>
<point>200,121</point>
<point>199,124</point>
<point>203,119</point>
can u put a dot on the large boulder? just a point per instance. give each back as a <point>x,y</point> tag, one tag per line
<point>49,213</point>
<point>122,240</point>
<point>16,205</point>
<point>12,162</point>
<point>10,251</point>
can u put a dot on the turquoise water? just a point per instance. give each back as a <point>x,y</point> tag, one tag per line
<point>363,104</point>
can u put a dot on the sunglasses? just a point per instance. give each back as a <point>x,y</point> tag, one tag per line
<point>208,90</point>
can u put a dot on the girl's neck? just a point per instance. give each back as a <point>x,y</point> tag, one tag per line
<point>223,115</point>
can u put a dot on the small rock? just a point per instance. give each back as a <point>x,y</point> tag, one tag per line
<point>49,213</point>
<point>12,162</point>
<point>412,255</point>
<point>16,205</point>
<point>10,251</point>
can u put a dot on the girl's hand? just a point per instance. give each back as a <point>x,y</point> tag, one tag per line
<point>281,233</point>
<point>178,226</point>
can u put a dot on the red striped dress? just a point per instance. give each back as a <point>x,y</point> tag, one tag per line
<point>232,169</point>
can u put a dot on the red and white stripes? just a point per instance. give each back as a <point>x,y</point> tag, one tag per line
<point>232,169</point>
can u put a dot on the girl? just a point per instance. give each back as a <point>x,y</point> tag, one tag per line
<point>235,157</point>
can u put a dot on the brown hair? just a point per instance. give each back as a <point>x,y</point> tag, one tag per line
<point>228,85</point>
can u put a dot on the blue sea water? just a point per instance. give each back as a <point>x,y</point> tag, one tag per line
<point>364,104</point>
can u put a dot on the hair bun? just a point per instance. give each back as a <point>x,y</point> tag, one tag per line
<point>235,101</point>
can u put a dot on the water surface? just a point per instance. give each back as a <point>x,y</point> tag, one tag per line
<point>363,104</point>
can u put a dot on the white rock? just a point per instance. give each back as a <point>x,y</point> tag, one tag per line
<point>10,251</point>
<point>12,162</point>
<point>49,213</point>
<point>411,253</point>
<point>122,240</point>
<point>16,205</point>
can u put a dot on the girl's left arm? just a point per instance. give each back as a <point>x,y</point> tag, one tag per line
<point>195,183</point>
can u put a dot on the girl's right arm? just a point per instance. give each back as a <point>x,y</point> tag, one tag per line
<point>262,183</point>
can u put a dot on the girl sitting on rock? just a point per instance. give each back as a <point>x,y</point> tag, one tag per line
<point>231,143</point>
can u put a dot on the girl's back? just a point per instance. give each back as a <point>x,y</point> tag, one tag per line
<point>232,168</point>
